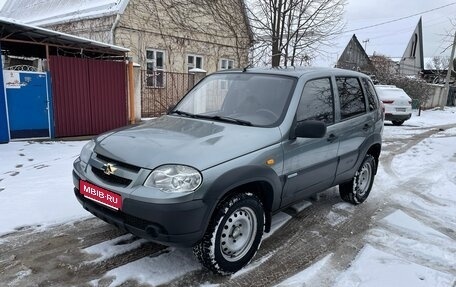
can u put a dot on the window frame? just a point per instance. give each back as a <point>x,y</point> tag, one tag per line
<point>366,83</point>
<point>194,56</point>
<point>227,61</point>
<point>333,94</point>
<point>365,100</point>
<point>155,68</point>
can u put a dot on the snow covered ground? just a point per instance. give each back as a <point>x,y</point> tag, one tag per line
<point>36,184</point>
<point>402,249</point>
<point>412,244</point>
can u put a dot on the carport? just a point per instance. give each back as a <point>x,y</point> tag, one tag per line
<point>58,85</point>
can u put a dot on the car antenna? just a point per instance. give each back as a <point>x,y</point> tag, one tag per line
<point>246,67</point>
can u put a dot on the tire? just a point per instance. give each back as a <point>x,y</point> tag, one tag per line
<point>398,123</point>
<point>357,190</point>
<point>233,235</point>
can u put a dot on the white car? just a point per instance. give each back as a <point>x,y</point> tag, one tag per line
<point>398,105</point>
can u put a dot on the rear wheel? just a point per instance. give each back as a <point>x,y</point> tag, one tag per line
<point>233,235</point>
<point>357,190</point>
<point>398,123</point>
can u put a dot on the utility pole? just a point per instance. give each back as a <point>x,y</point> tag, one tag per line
<point>365,44</point>
<point>446,90</point>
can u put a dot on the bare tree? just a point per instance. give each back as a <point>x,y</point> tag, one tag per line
<point>293,32</point>
<point>205,21</point>
<point>438,66</point>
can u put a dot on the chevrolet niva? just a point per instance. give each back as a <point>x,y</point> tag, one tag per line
<point>239,147</point>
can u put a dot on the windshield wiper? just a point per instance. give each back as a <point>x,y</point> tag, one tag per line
<point>182,113</point>
<point>216,118</point>
<point>226,119</point>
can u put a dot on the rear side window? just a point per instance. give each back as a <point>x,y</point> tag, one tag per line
<point>317,102</point>
<point>370,92</point>
<point>351,97</point>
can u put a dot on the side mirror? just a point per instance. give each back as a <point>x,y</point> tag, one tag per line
<point>310,129</point>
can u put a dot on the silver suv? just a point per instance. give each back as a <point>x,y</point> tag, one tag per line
<point>239,147</point>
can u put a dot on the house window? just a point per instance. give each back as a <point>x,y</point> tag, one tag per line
<point>194,61</point>
<point>226,64</point>
<point>155,68</point>
<point>414,43</point>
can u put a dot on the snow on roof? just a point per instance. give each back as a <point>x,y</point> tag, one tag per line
<point>47,12</point>
<point>46,35</point>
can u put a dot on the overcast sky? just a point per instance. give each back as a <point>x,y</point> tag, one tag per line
<point>392,39</point>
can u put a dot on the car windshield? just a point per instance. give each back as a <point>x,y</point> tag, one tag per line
<point>242,98</point>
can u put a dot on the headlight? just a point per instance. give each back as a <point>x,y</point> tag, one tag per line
<point>174,178</point>
<point>87,151</point>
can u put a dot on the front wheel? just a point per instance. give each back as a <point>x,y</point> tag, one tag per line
<point>233,235</point>
<point>357,190</point>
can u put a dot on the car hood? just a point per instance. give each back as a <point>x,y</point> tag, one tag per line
<point>178,140</point>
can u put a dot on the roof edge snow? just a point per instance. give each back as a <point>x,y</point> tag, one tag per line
<point>75,13</point>
<point>58,35</point>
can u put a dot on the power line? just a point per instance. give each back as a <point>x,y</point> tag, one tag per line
<point>398,19</point>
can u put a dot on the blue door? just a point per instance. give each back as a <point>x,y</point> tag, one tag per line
<point>28,104</point>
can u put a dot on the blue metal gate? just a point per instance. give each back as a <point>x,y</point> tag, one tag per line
<point>28,104</point>
<point>4,135</point>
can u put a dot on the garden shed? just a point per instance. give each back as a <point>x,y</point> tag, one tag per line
<point>58,85</point>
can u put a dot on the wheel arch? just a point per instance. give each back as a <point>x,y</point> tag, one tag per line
<point>374,151</point>
<point>259,180</point>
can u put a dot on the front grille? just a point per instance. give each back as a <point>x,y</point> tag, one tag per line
<point>112,179</point>
<point>126,166</point>
<point>136,222</point>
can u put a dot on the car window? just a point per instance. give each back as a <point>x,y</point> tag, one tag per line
<point>259,99</point>
<point>370,91</point>
<point>317,102</point>
<point>351,97</point>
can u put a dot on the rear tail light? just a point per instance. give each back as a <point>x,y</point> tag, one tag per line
<point>410,102</point>
<point>387,102</point>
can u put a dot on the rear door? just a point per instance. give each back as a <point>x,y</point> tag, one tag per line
<point>356,123</point>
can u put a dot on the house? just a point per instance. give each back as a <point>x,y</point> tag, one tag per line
<point>59,85</point>
<point>162,35</point>
<point>355,58</point>
<point>412,62</point>
<point>167,38</point>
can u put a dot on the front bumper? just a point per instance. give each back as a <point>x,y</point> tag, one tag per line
<point>176,224</point>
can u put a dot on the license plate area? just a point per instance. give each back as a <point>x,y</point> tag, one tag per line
<point>400,109</point>
<point>100,195</point>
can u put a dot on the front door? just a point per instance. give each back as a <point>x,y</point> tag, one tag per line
<point>28,104</point>
<point>310,164</point>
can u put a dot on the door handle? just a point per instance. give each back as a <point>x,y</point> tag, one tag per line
<point>366,127</point>
<point>331,138</point>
